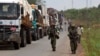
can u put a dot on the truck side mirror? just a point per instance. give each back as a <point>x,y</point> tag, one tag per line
<point>22,10</point>
<point>18,8</point>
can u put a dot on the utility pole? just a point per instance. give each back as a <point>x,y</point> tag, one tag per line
<point>87,13</point>
<point>88,21</point>
<point>72,8</point>
<point>90,3</point>
<point>72,4</point>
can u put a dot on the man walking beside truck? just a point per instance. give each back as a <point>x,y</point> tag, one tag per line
<point>53,36</point>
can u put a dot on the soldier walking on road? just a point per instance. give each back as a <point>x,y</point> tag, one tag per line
<point>73,37</point>
<point>53,36</point>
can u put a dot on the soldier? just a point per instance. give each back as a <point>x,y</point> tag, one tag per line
<point>53,36</point>
<point>73,37</point>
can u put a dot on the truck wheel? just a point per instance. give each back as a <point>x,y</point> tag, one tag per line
<point>16,45</point>
<point>34,36</point>
<point>38,35</point>
<point>41,33</point>
<point>45,32</point>
<point>28,37</point>
<point>23,38</point>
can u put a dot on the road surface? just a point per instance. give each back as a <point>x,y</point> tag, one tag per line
<point>41,47</point>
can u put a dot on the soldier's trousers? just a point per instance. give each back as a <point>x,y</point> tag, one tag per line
<point>53,44</point>
<point>73,44</point>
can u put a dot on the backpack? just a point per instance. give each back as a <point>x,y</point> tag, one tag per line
<point>52,32</point>
<point>72,30</point>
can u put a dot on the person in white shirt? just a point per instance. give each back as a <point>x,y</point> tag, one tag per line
<point>79,31</point>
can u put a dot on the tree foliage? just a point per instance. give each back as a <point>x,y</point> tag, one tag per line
<point>34,1</point>
<point>84,14</point>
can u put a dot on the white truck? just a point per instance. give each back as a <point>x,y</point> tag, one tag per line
<point>42,21</point>
<point>45,16</point>
<point>15,22</point>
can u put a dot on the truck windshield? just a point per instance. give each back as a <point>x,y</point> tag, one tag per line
<point>9,11</point>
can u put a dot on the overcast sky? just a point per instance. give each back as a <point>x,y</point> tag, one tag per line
<point>67,4</point>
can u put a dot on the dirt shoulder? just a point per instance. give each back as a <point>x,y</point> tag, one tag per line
<point>80,50</point>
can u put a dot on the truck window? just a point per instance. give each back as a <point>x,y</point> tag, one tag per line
<point>9,11</point>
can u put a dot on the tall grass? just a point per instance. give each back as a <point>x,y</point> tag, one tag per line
<point>91,41</point>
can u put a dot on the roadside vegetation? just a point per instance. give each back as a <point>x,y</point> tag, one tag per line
<point>35,1</point>
<point>90,19</point>
<point>91,41</point>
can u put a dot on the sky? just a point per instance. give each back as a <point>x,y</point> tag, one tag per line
<point>67,4</point>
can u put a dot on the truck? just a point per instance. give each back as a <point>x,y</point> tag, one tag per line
<point>42,21</point>
<point>45,16</point>
<point>15,22</point>
<point>55,18</point>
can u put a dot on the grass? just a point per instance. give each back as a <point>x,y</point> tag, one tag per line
<point>91,42</point>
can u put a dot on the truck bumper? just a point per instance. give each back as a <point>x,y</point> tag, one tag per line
<point>5,42</point>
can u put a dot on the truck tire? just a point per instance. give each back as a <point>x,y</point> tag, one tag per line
<point>16,45</point>
<point>45,32</point>
<point>23,38</point>
<point>28,36</point>
<point>41,33</point>
<point>38,34</point>
<point>34,36</point>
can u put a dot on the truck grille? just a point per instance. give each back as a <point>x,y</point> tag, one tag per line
<point>4,32</point>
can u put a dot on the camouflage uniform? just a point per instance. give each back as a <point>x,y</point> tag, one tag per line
<point>53,36</point>
<point>73,38</point>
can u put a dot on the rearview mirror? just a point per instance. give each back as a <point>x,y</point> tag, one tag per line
<point>22,10</point>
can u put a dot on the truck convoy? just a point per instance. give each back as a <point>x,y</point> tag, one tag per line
<point>21,22</point>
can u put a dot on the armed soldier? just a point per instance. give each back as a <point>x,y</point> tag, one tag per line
<point>53,36</point>
<point>72,29</point>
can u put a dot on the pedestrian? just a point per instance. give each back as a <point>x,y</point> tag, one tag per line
<point>53,36</point>
<point>72,29</point>
<point>69,21</point>
<point>65,25</point>
<point>79,31</point>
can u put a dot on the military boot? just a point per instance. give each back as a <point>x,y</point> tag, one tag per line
<point>73,52</point>
<point>53,49</point>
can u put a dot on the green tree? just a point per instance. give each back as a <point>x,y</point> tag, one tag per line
<point>34,1</point>
<point>99,6</point>
<point>91,14</point>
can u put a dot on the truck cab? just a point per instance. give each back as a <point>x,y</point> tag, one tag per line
<point>12,22</point>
